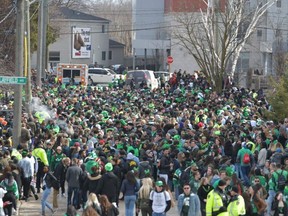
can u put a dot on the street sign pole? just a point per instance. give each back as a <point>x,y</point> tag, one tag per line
<point>19,62</point>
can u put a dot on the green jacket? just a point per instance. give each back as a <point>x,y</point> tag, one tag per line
<point>56,159</point>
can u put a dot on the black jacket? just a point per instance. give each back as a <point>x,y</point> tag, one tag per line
<point>108,185</point>
<point>91,183</point>
<point>60,172</point>
<point>48,178</point>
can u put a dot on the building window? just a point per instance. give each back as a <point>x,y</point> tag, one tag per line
<point>278,3</point>
<point>278,33</point>
<point>110,55</point>
<point>243,62</point>
<point>259,33</point>
<point>54,56</point>
<point>103,56</point>
<point>103,28</point>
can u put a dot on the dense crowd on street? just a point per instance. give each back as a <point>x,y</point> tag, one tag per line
<point>180,146</point>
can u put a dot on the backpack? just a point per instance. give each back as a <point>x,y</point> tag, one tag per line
<point>281,181</point>
<point>144,170</point>
<point>144,204</point>
<point>246,158</point>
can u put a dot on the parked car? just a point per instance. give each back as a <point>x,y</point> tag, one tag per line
<point>100,76</point>
<point>140,76</point>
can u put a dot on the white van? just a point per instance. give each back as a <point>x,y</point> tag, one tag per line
<point>142,75</point>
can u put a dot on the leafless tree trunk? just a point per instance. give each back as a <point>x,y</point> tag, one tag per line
<point>216,36</point>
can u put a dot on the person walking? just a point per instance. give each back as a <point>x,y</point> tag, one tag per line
<point>188,202</point>
<point>245,158</point>
<point>60,174</point>
<point>26,167</point>
<point>47,186</point>
<point>160,200</point>
<point>40,153</point>
<point>73,175</point>
<point>108,184</point>
<point>129,188</point>
<point>143,202</point>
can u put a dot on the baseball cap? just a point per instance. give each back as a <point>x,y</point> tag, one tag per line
<point>159,183</point>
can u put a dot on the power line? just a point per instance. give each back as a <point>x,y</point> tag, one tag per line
<point>125,30</point>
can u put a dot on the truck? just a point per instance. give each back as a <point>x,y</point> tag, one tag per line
<point>76,73</point>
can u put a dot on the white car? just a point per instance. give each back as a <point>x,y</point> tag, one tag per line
<point>101,76</point>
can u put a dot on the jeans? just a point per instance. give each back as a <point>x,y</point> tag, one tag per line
<point>245,170</point>
<point>75,192</point>
<point>158,214</point>
<point>44,201</point>
<point>238,170</point>
<point>129,205</point>
<point>271,196</point>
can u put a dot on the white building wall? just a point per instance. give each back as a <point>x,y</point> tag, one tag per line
<point>99,42</point>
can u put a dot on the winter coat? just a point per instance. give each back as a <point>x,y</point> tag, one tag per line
<point>108,185</point>
<point>73,175</point>
<point>91,183</point>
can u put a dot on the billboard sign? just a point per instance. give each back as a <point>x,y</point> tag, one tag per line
<point>81,42</point>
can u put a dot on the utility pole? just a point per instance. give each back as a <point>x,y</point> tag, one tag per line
<point>28,56</point>
<point>19,63</point>
<point>40,45</point>
<point>44,35</point>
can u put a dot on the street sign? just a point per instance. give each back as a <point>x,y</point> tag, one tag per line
<point>13,80</point>
<point>169,59</point>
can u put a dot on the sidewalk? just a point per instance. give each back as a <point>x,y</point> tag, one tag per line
<point>33,207</point>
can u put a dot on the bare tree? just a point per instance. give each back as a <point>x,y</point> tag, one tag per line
<point>120,14</point>
<point>216,36</point>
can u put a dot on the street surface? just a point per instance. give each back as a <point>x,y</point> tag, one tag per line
<point>33,207</point>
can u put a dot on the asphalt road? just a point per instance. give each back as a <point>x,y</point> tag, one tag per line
<point>33,207</point>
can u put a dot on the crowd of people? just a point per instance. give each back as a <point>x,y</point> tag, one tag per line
<point>180,146</point>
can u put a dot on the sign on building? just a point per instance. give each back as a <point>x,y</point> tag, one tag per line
<point>81,42</point>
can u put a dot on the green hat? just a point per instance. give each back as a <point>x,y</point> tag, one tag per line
<point>123,122</point>
<point>108,167</point>
<point>166,146</point>
<point>159,183</point>
<point>90,164</point>
<point>24,153</point>
<point>176,137</point>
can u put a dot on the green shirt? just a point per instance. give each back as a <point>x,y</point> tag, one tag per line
<point>275,176</point>
<point>241,154</point>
